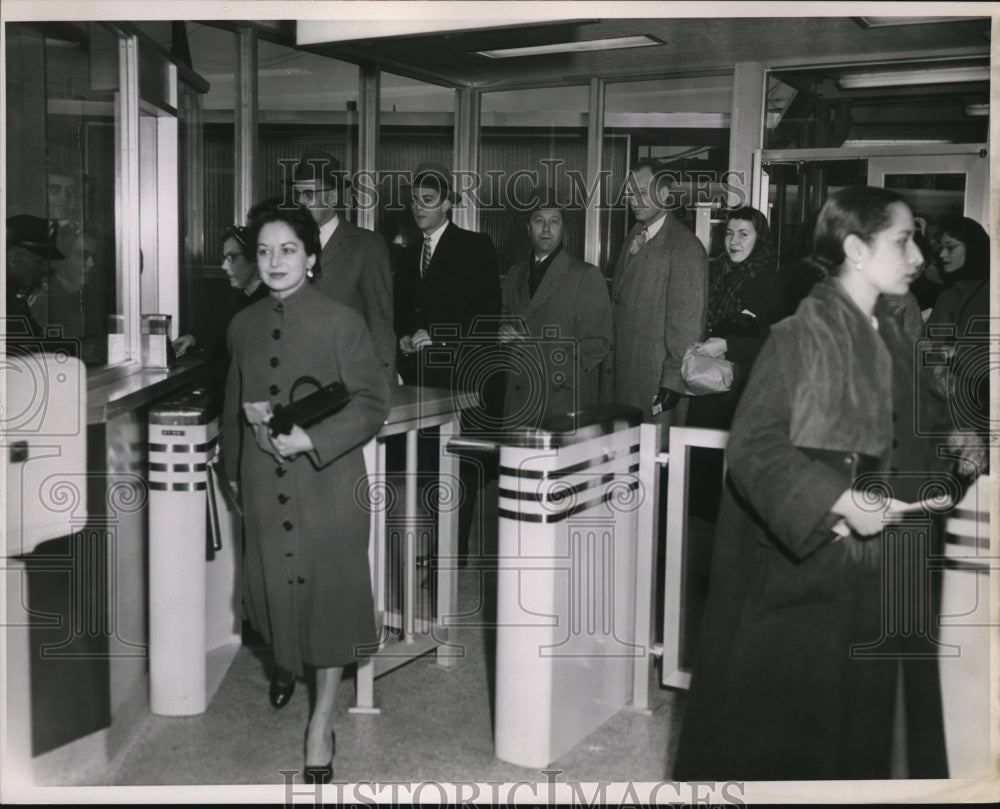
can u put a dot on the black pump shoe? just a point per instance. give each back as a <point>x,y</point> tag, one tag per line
<point>280,694</point>
<point>321,775</point>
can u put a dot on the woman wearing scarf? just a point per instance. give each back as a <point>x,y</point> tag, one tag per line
<point>960,322</point>
<point>745,297</point>
<point>822,597</point>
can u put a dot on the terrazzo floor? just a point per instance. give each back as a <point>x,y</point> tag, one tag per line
<point>435,725</point>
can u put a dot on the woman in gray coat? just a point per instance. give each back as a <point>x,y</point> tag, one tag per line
<point>821,596</point>
<point>308,590</point>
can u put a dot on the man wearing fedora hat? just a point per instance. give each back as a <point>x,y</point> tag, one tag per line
<point>31,241</point>
<point>446,280</point>
<point>354,263</point>
<point>556,300</point>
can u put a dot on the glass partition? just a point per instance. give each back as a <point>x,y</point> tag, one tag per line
<point>305,102</point>
<point>868,105</point>
<point>531,137</point>
<point>62,80</point>
<point>417,126</point>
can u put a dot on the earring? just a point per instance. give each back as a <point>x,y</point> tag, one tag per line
<point>309,274</point>
<point>857,265</point>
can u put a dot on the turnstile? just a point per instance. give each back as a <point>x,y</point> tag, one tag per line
<point>192,575</point>
<point>967,621</point>
<point>566,639</point>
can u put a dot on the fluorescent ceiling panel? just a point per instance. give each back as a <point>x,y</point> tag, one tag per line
<point>889,22</point>
<point>614,43</point>
<point>315,32</point>
<point>900,78</point>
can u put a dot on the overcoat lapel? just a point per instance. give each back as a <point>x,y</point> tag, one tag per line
<point>550,283</point>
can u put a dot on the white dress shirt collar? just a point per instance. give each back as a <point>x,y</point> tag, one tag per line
<point>326,230</point>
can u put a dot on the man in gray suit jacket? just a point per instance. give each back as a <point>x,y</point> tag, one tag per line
<point>659,299</point>
<point>354,263</point>
<point>560,326</point>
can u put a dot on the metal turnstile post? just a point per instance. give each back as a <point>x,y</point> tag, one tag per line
<point>567,643</point>
<point>183,432</point>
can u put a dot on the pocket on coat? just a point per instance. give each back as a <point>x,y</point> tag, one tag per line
<point>784,583</point>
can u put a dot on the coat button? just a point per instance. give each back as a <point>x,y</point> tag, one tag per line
<point>274,390</point>
<point>895,443</point>
<point>282,498</point>
<point>287,525</point>
<point>275,362</point>
<point>301,580</point>
<point>276,334</point>
<point>280,471</point>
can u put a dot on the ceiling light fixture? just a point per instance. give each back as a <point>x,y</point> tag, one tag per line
<point>977,110</point>
<point>889,22</point>
<point>899,78</point>
<point>615,43</point>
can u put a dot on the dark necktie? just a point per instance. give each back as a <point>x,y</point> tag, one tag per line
<point>425,258</point>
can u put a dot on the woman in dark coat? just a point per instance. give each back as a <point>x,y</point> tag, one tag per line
<point>797,668</point>
<point>745,296</point>
<point>304,495</point>
<point>960,323</point>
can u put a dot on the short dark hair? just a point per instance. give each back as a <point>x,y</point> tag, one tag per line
<point>663,179</point>
<point>297,218</point>
<point>863,210</point>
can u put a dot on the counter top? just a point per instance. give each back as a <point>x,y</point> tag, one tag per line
<point>143,387</point>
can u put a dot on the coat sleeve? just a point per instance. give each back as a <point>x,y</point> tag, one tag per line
<point>686,308</point>
<point>376,290</point>
<point>766,299</point>
<point>231,416</point>
<point>593,319</point>
<point>362,375</point>
<point>791,493</point>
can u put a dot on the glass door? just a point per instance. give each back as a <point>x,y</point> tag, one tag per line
<point>939,185</point>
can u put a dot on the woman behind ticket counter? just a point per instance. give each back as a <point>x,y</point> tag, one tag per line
<point>797,668</point>
<point>308,588</point>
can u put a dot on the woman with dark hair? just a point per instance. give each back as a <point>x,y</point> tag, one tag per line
<point>745,296</point>
<point>797,669</point>
<point>959,323</point>
<point>308,590</point>
<point>239,263</point>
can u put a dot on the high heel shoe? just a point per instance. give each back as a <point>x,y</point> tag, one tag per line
<point>324,774</point>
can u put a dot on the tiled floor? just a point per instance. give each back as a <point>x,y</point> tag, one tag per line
<point>435,725</point>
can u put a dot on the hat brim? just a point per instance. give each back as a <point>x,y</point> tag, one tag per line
<point>42,250</point>
<point>452,196</point>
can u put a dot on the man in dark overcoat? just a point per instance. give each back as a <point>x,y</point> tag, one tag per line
<point>563,322</point>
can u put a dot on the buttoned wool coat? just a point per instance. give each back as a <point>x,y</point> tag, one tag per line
<point>796,670</point>
<point>659,300</point>
<point>307,587</point>
<point>569,322</point>
<point>354,270</point>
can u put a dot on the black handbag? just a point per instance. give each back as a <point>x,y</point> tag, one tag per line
<point>310,409</point>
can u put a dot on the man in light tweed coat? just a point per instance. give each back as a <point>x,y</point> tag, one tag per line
<point>659,300</point>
